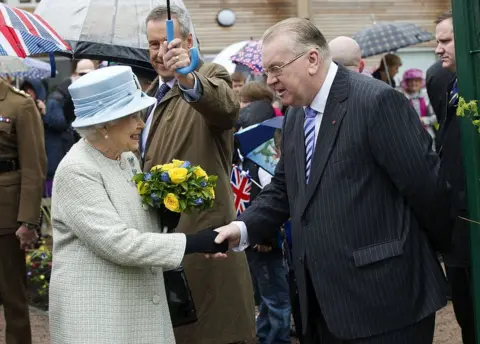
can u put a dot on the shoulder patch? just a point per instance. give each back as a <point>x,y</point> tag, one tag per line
<point>16,90</point>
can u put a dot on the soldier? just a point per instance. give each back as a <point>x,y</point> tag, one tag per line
<point>23,165</point>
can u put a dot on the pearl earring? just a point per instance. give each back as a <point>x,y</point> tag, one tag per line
<point>106,136</point>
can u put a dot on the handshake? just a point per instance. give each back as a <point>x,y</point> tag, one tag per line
<point>214,243</point>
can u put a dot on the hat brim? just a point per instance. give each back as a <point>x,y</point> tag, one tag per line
<point>140,102</point>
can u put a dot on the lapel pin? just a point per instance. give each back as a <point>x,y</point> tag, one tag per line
<point>334,122</point>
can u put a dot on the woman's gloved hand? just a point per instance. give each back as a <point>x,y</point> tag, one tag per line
<point>204,242</point>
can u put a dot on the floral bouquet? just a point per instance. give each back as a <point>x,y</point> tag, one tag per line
<point>39,265</point>
<point>174,188</point>
<point>178,187</point>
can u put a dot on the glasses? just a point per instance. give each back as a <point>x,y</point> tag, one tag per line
<point>277,70</point>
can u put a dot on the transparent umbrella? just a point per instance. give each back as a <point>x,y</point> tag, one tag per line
<point>104,29</point>
<point>24,68</point>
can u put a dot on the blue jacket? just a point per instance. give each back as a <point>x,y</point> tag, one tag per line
<point>58,132</point>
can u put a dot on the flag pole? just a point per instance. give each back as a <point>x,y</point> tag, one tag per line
<point>245,174</point>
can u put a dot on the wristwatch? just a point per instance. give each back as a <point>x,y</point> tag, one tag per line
<point>29,225</point>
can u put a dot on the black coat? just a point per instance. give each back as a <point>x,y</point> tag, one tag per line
<point>365,224</point>
<point>449,147</point>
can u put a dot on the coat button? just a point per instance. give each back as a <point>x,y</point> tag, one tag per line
<point>156,299</point>
<point>304,222</point>
<point>300,259</point>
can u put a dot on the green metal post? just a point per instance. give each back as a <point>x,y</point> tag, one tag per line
<point>466,22</point>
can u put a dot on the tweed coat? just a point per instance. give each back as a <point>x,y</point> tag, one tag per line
<point>201,132</point>
<point>108,255</point>
<point>21,138</point>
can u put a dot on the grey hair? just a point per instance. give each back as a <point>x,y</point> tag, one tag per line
<point>302,33</point>
<point>160,13</point>
<point>92,132</point>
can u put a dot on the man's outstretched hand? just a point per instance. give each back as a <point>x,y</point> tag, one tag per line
<point>230,233</point>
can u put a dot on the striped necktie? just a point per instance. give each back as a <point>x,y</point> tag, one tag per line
<point>453,97</point>
<point>309,129</point>
<point>162,91</point>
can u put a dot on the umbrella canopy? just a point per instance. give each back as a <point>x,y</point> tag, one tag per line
<point>10,65</point>
<point>257,143</point>
<point>224,58</point>
<point>23,34</point>
<point>251,56</point>
<point>104,30</point>
<point>387,37</point>
<point>24,68</point>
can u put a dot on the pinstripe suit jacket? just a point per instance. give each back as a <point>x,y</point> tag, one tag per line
<point>365,224</point>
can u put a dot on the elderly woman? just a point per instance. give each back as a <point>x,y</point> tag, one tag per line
<point>107,282</point>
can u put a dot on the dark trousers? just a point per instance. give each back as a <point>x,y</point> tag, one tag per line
<point>460,281</point>
<point>12,289</point>
<point>318,333</point>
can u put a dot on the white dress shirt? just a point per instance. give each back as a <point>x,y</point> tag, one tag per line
<point>191,95</point>
<point>318,104</point>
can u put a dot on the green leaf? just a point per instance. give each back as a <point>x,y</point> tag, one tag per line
<point>138,177</point>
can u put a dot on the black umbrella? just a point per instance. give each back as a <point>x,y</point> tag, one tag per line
<point>387,37</point>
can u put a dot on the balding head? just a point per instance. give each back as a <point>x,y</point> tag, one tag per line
<point>346,51</point>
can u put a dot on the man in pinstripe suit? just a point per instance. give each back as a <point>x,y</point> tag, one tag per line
<point>367,205</point>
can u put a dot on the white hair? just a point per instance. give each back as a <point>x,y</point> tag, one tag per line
<point>160,13</point>
<point>92,132</point>
<point>302,34</point>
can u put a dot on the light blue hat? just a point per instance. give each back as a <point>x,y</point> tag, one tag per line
<point>107,94</point>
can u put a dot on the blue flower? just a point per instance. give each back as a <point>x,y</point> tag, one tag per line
<point>147,176</point>
<point>29,273</point>
<point>203,184</point>
<point>165,177</point>
<point>198,201</point>
<point>155,197</point>
<point>186,164</point>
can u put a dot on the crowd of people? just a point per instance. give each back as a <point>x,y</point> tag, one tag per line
<point>370,179</point>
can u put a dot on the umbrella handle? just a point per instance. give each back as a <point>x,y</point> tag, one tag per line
<point>193,51</point>
<point>53,67</point>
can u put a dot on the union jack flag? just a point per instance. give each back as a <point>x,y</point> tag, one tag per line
<point>241,186</point>
<point>23,33</point>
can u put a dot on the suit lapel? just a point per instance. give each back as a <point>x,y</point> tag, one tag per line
<point>333,115</point>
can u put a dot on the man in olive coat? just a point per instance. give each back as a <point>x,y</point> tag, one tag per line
<point>193,121</point>
<point>23,165</point>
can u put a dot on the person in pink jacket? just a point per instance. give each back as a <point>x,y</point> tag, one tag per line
<point>413,87</point>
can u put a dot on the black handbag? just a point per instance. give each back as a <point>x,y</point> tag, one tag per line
<point>179,297</point>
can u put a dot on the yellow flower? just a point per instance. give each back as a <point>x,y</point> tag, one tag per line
<point>156,167</point>
<point>42,277</point>
<point>199,172</point>
<point>28,259</point>
<point>171,203</point>
<point>142,188</point>
<point>178,175</point>
<point>177,163</point>
<point>212,192</point>
<point>167,167</point>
